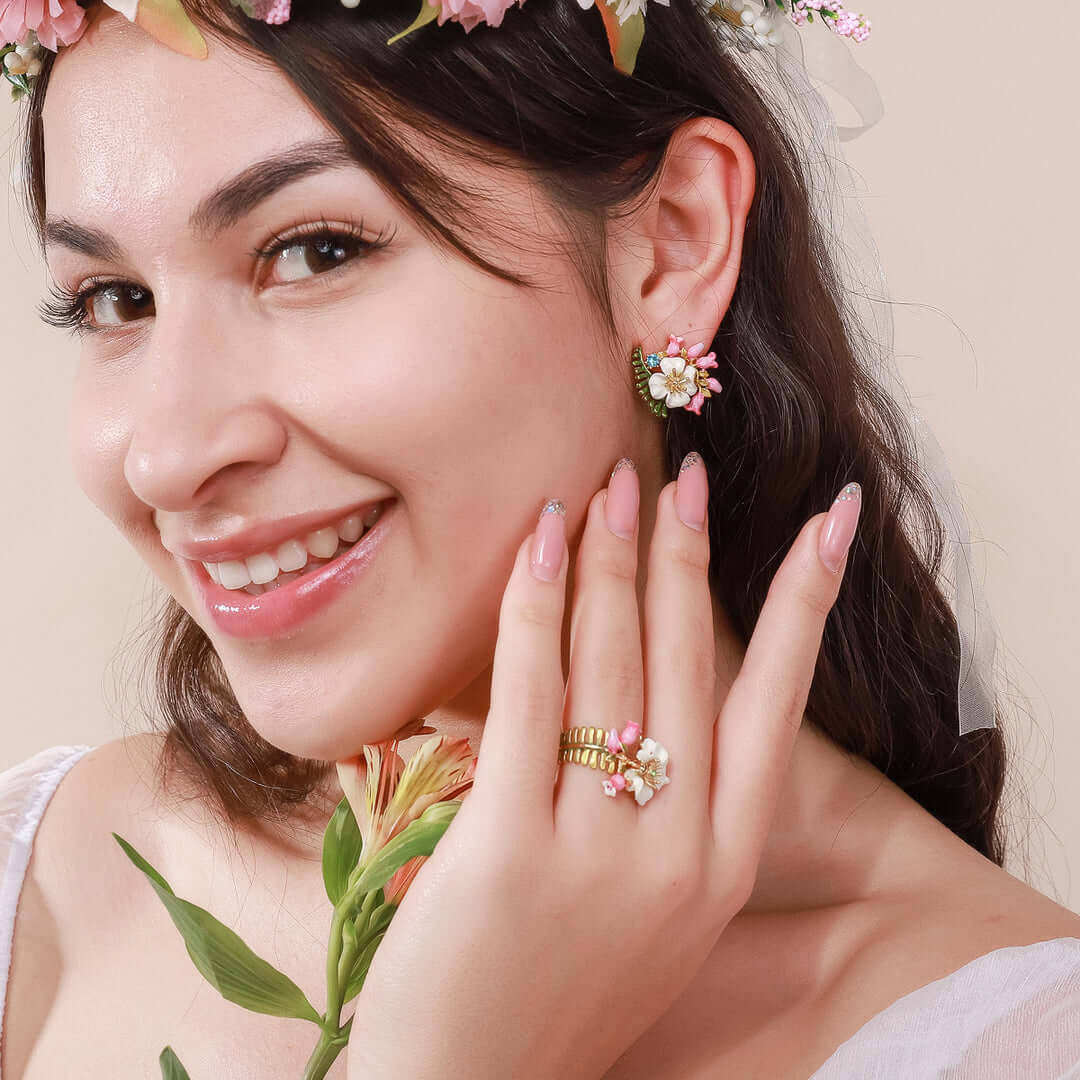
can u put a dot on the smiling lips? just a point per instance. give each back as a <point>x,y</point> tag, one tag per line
<point>269,570</point>
<point>290,599</point>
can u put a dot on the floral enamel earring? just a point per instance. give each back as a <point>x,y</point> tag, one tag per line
<point>676,378</point>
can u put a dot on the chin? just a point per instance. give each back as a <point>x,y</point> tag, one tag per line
<point>306,724</point>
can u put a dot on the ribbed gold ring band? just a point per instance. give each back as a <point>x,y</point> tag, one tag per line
<point>588,746</point>
<point>641,776</point>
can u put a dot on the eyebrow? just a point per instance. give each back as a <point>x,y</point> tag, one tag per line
<point>226,205</point>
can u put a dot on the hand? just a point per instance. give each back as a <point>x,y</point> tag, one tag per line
<point>552,925</point>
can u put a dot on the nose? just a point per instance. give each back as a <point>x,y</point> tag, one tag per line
<point>200,415</point>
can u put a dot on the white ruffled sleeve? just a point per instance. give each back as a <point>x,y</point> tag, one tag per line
<point>1011,1014</point>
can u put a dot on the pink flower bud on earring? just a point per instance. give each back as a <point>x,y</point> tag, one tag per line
<point>676,378</point>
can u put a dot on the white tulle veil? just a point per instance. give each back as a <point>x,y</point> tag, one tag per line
<point>795,75</point>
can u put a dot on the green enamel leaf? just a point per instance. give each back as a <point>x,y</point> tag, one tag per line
<point>417,838</point>
<point>427,14</point>
<point>222,957</point>
<point>342,847</point>
<point>171,1069</point>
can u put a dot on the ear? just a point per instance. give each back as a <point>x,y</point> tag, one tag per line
<point>685,242</point>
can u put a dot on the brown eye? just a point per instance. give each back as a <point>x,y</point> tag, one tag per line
<point>306,258</point>
<point>118,303</point>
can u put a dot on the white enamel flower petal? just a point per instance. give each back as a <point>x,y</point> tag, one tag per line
<point>658,386</point>
<point>677,400</point>
<point>643,794</point>
<point>672,365</point>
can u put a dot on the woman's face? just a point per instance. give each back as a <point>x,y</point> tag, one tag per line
<point>222,390</point>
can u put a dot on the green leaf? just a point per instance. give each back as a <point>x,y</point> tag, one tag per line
<point>222,957</point>
<point>624,39</point>
<point>342,848</point>
<point>171,1069</point>
<point>427,13</point>
<point>380,920</point>
<point>417,838</point>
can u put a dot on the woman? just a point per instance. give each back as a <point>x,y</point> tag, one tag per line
<point>317,278</point>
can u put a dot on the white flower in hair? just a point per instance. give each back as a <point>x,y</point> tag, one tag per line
<point>766,27</point>
<point>625,9</point>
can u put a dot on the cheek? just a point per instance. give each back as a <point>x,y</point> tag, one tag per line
<point>477,374</point>
<point>98,435</point>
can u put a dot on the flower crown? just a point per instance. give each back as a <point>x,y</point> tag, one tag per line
<point>28,26</point>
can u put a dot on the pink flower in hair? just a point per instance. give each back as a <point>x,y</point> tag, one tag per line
<point>471,12</point>
<point>274,12</point>
<point>55,22</point>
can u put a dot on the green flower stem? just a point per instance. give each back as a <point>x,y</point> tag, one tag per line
<point>339,961</point>
<point>340,957</point>
<point>333,955</point>
<point>325,1053</point>
<point>344,968</point>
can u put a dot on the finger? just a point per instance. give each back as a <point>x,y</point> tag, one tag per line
<point>761,716</point>
<point>519,744</point>
<point>605,687</point>
<point>680,644</point>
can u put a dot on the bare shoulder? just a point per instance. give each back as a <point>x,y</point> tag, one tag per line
<point>93,941</point>
<point>77,884</point>
<point>949,918</point>
<point>113,788</point>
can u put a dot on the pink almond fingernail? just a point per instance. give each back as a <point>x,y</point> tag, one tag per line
<point>549,541</point>
<point>692,491</point>
<point>839,528</point>
<point>621,499</point>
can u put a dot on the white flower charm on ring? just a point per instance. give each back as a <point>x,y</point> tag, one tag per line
<point>644,783</point>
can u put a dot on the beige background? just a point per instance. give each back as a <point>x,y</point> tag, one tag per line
<point>969,181</point>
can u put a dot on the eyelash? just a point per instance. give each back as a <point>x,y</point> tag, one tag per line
<point>67,309</point>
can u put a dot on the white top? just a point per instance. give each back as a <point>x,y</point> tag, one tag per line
<point>1013,1013</point>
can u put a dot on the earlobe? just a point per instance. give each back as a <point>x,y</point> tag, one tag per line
<point>697,214</point>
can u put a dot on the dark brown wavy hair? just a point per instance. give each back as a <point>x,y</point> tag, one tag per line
<point>799,416</point>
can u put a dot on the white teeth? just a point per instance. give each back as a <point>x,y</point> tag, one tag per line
<point>269,570</point>
<point>323,542</point>
<point>292,555</point>
<point>233,574</point>
<point>351,529</point>
<point>262,568</point>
